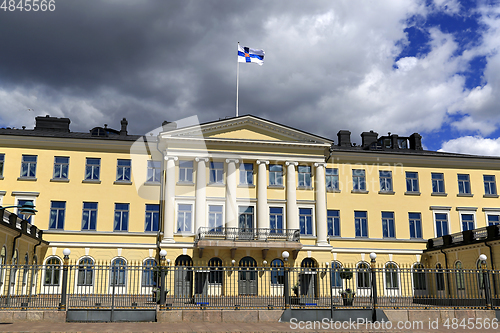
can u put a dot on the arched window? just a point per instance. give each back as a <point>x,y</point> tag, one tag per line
<point>459,276</point>
<point>215,276</point>
<point>439,277</point>
<point>25,268</point>
<point>85,271</point>
<point>391,276</point>
<point>336,279</point>
<point>3,256</point>
<point>308,263</point>
<point>118,269</point>
<point>247,263</point>
<point>363,275</point>
<point>149,275</point>
<point>52,271</point>
<point>419,282</point>
<point>183,260</point>
<point>277,272</point>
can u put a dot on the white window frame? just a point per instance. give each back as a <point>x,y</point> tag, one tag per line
<point>26,197</point>
<point>223,173</point>
<point>186,172</point>
<point>469,212</point>
<point>494,185</point>
<point>247,204</point>
<point>440,211</point>
<point>277,172</point>
<point>488,212</point>
<point>184,202</point>
<point>283,207</point>
<point>241,171</point>
<point>313,210</point>
<point>207,212</point>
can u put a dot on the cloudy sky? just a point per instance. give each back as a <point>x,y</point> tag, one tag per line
<point>399,66</point>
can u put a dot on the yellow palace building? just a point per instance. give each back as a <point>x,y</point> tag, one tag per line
<point>239,191</point>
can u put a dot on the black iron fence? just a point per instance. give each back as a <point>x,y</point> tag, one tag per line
<point>145,286</point>
<point>249,234</point>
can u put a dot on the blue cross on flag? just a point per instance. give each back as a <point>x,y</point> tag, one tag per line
<point>246,54</point>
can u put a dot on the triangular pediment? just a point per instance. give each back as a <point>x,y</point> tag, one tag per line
<point>249,128</point>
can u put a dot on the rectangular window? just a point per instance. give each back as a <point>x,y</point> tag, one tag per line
<point>152,217</point>
<point>121,217</point>
<point>441,224</point>
<point>2,160</point>
<point>464,184</point>
<point>490,186</point>
<point>467,221</point>
<point>358,180</point>
<point>412,182</point>
<point>361,224</point>
<point>24,217</point>
<point>92,168</point>
<point>246,218</point>
<point>186,171</point>
<point>246,173</point>
<point>276,220</point>
<point>415,225</point>
<point>57,209</point>
<point>215,218</point>
<point>184,217</point>
<point>89,216</point>
<point>28,166</point>
<point>493,219</point>
<point>123,170</point>
<point>61,166</point>
<point>216,172</point>
<point>385,181</point>
<point>154,171</point>
<point>332,179</point>
<point>333,223</point>
<point>304,172</point>
<point>388,228</point>
<point>437,183</point>
<point>305,221</point>
<point>275,175</point>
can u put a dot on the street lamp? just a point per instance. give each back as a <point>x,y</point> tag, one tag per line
<point>163,254</point>
<point>285,256</point>
<point>486,282</point>
<point>26,209</point>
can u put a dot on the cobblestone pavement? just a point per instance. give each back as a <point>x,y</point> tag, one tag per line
<point>189,327</point>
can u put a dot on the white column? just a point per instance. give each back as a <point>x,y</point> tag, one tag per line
<point>169,216</point>
<point>201,192</point>
<point>231,206</point>
<point>291,197</point>
<point>262,210</point>
<point>320,189</point>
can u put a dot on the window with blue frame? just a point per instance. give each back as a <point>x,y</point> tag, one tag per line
<point>154,171</point>
<point>23,216</point>
<point>490,186</point>
<point>305,221</point>
<point>89,216</point>
<point>385,181</point>
<point>333,222</point>
<point>92,168</point>
<point>246,174</point>
<point>152,217</point>
<point>361,224</point>
<point>358,180</point>
<point>121,217</point>
<point>467,221</point>
<point>493,219</point>
<point>275,175</point>
<point>388,227</point>
<point>276,219</point>
<point>415,225</point>
<point>437,183</point>
<point>2,161</point>
<point>123,170</point>
<point>332,179</point>
<point>28,166</point>
<point>61,167</point>
<point>118,272</point>
<point>148,273</point>
<point>57,209</point>
<point>336,269</point>
<point>463,184</point>
<point>277,272</point>
<point>412,182</point>
<point>441,224</point>
<point>304,172</point>
<point>216,171</point>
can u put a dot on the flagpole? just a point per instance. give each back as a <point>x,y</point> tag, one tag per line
<point>237,79</point>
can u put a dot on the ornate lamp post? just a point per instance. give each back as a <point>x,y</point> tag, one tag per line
<point>486,282</point>
<point>373,257</point>
<point>163,254</point>
<point>64,286</point>
<point>285,256</point>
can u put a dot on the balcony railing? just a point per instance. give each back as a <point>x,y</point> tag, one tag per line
<point>249,234</point>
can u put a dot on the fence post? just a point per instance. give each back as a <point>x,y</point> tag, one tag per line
<point>286,281</point>
<point>163,254</point>
<point>486,281</point>
<point>373,257</point>
<point>64,286</point>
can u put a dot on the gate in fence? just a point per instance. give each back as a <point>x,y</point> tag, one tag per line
<point>121,285</point>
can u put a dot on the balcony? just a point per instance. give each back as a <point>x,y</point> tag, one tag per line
<point>249,238</point>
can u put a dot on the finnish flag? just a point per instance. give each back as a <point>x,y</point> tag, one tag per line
<point>246,54</point>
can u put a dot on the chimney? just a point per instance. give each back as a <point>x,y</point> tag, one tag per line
<point>416,141</point>
<point>367,138</point>
<point>394,140</point>
<point>53,124</point>
<point>344,137</point>
<point>124,123</point>
<point>168,126</point>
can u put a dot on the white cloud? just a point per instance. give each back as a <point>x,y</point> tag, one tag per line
<point>474,145</point>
